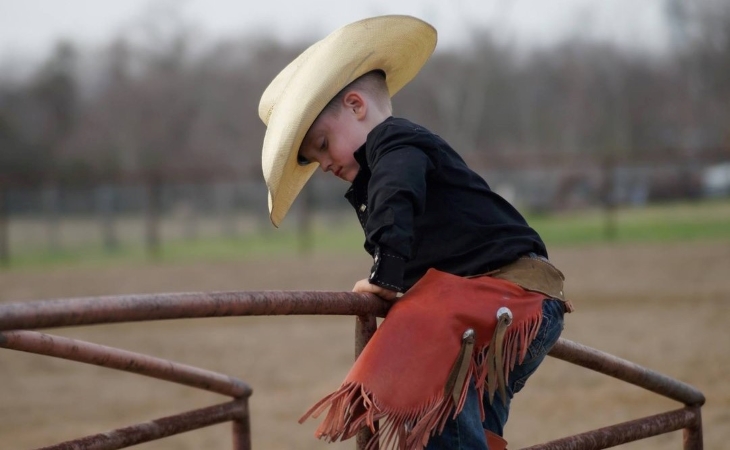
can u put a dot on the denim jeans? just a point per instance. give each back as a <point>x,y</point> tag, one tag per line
<point>466,432</point>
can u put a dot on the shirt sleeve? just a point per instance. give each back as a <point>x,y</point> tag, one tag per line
<point>396,196</point>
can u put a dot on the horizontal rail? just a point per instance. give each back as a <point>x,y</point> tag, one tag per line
<point>627,371</point>
<point>167,426</point>
<point>625,432</point>
<point>15,318</point>
<point>138,308</point>
<point>114,358</point>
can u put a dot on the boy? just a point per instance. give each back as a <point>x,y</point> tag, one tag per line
<point>423,212</point>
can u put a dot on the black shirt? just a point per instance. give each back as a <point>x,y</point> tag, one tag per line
<point>421,207</point>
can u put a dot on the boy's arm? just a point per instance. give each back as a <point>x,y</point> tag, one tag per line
<point>396,196</point>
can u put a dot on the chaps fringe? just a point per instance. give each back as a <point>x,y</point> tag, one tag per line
<point>353,406</point>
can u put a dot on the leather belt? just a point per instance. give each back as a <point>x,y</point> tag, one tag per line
<point>533,273</point>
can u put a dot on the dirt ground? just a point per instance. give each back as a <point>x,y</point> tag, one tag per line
<point>665,307</point>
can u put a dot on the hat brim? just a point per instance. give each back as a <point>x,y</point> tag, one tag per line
<point>397,45</point>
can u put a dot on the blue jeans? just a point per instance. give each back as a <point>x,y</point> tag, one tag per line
<point>466,432</point>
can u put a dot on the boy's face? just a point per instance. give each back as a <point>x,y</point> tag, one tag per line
<point>332,141</point>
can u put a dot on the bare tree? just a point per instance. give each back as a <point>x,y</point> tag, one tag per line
<point>55,93</point>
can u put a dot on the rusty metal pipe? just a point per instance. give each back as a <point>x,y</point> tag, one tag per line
<point>242,432</point>
<point>160,428</point>
<point>627,371</point>
<point>137,308</point>
<point>692,435</point>
<point>624,432</point>
<point>114,358</point>
<point>365,327</point>
<point>114,309</point>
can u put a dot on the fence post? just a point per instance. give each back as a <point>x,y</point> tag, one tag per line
<point>242,429</point>
<point>365,327</point>
<point>4,227</point>
<point>104,196</point>
<point>304,228</point>
<point>608,198</point>
<point>51,197</point>
<point>152,222</point>
<point>225,201</point>
<point>693,434</point>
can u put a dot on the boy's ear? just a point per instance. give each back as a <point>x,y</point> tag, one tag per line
<point>356,103</point>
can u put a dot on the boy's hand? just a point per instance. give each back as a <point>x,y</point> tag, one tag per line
<point>367,287</point>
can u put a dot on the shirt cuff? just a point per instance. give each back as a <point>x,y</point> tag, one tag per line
<point>387,270</point>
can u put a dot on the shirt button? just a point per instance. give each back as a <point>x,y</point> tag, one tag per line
<point>363,207</point>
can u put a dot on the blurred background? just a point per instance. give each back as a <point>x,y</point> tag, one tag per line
<point>128,128</point>
<point>130,162</point>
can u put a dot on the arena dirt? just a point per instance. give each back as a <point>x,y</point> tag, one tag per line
<point>665,307</point>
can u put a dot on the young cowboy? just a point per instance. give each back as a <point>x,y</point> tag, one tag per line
<point>467,261</point>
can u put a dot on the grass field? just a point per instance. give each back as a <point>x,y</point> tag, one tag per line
<point>660,299</point>
<point>659,223</point>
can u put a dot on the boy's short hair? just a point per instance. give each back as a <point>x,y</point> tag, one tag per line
<point>372,83</point>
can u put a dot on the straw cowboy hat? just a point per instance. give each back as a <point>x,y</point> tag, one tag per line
<point>397,45</point>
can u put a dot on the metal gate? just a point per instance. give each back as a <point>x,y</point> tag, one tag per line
<point>19,320</point>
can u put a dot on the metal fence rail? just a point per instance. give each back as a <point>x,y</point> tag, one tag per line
<point>235,411</point>
<point>99,355</point>
<point>689,418</point>
<point>17,318</point>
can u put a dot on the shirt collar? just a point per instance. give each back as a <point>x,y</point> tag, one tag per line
<point>360,156</point>
<point>360,153</point>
